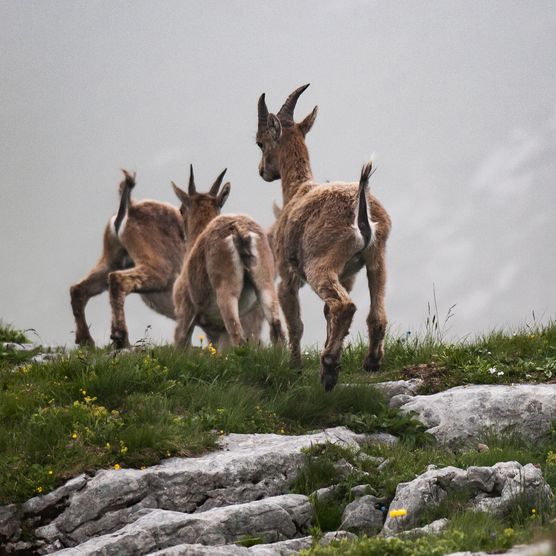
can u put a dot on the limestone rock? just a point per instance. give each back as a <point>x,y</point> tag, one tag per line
<point>282,548</point>
<point>10,525</point>
<point>393,388</point>
<point>545,548</point>
<point>273,519</point>
<point>249,467</point>
<point>362,516</point>
<point>490,489</point>
<point>462,414</point>
<point>433,528</point>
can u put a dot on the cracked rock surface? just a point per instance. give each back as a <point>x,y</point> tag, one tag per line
<point>490,489</point>
<point>273,519</point>
<point>249,467</point>
<point>464,413</point>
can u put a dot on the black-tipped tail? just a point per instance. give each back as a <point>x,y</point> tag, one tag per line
<point>125,191</point>
<point>363,216</point>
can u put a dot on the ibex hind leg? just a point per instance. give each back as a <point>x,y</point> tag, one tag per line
<point>339,313</point>
<point>113,257</point>
<point>377,320</point>
<point>263,280</point>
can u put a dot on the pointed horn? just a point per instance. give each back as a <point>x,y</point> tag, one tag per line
<point>285,115</point>
<point>191,190</point>
<point>263,112</point>
<point>216,185</point>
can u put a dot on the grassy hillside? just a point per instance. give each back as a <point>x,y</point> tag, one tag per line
<point>91,409</point>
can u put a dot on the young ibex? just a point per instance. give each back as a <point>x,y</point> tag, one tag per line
<point>228,268</point>
<point>144,245</point>
<point>324,235</point>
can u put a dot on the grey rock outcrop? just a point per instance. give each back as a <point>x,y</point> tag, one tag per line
<point>249,467</point>
<point>274,519</point>
<point>361,515</point>
<point>464,413</point>
<point>544,548</point>
<point>489,489</point>
<point>281,548</point>
<point>433,528</point>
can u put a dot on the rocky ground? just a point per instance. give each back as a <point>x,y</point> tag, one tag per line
<point>239,499</point>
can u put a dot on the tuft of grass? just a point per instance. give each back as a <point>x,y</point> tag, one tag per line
<point>9,334</point>
<point>527,355</point>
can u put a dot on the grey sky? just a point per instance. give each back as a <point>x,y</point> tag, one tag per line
<point>457,100</point>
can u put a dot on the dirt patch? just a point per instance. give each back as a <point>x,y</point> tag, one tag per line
<point>433,376</point>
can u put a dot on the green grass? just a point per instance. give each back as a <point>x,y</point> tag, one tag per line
<point>10,334</point>
<point>528,355</point>
<point>91,409</point>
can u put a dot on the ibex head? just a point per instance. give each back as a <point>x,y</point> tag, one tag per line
<point>272,127</point>
<point>198,209</point>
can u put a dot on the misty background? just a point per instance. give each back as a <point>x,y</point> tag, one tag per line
<point>457,100</point>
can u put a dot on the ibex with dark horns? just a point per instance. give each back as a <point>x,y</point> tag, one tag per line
<point>324,235</point>
<point>228,269</point>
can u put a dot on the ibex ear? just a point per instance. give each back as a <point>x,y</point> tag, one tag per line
<point>274,127</point>
<point>223,195</point>
<point>181,195</point>
<point>306,125</point>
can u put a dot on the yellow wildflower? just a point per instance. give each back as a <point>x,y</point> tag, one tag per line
<point>74,436</point>
<point>50,472</point>
<point>39,489</point>
<point>398,513</point>
<point>282,430</point>
<point>117,466</point>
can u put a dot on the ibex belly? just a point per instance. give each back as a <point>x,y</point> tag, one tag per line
<point>211,313</point>
<point>161,302</point>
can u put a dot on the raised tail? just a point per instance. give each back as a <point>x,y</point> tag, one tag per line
<point>363,210</point>
<point>126,186</point>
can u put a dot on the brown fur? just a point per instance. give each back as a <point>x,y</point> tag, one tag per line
<point>227,274</point>
<point>316,240</point>
<point>144,256</point>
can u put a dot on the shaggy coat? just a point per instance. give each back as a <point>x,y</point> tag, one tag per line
<point>143,251</point>
<point>227,272</point>
<point>323,236</point>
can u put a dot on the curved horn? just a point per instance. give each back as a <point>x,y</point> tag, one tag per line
<point>216,185</point>
<point>263,112</point>
<point>191,190</point>
<point>285,115</point>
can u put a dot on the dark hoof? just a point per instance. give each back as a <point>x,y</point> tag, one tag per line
<point>120,339</point>
<point>372,364</point>
<point>329,372</point>
<point>84,341</point>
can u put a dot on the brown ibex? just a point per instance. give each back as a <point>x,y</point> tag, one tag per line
<point>144,244</point>
<point>324,235</point>
<point>228,268</point>
<point>144,247</point>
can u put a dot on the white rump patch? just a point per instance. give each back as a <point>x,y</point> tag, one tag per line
<point>113,225</point>
<point>372,224</point>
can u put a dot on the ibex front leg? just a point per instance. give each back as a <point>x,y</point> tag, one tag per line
<point>141,279</point>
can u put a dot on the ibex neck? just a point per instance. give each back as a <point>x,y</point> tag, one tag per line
<point>295,167</point>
